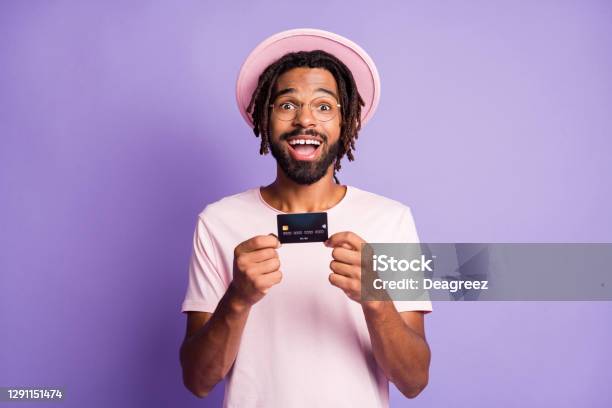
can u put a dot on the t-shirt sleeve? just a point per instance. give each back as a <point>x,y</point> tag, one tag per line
<point>407,233</point>
<point>206,285</point>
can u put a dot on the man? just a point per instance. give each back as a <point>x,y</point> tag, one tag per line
<point>285,323</point>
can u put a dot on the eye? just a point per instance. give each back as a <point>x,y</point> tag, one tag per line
<point>324,107</point>
<point>286,106</point>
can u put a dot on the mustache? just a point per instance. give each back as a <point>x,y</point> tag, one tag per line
<point>302,131</point>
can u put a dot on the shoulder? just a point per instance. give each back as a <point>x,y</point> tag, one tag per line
<point>381,219</point>
<point>229,206</point>
<point>377,202</point>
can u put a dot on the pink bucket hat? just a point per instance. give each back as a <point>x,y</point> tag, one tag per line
<point>308,39</point>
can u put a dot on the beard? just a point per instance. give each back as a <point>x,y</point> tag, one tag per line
<point>304,172</point>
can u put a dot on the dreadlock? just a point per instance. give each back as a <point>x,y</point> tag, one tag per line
<point>350,100</point>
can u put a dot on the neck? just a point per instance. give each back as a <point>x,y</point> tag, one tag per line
<point>288,196</point>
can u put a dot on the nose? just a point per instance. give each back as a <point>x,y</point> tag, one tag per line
<point>304,118</point>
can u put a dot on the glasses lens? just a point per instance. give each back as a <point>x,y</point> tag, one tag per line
<point>285,110</point>
<point>324,109</point>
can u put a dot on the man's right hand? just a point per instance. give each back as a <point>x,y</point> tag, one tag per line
<point>256,268</point>
<point>211,343</point>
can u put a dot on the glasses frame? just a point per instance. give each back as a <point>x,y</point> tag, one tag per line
<point>301,106</point>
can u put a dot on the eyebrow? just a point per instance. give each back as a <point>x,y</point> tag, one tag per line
<point>292,90</point>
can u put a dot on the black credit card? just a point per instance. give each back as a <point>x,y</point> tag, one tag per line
<point>304,227</point>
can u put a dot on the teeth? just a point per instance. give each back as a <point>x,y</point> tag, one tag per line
<point>304,141</point>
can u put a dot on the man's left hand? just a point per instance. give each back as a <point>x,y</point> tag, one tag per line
<point>346,263</point>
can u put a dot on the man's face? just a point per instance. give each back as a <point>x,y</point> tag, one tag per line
<point>299,87</point>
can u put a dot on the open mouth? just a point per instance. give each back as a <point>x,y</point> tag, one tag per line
<point>304,149</point>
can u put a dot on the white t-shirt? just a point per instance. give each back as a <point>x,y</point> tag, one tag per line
<point>305,344</point>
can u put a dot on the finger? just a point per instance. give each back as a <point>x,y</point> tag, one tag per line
<point>348,256</point>
<point>342,282</point>
<point>345,237</point>
<point>269,279</point>
<point>343,269</point>
<point>262,268</point>
<point>260,255</point>
<point>258,242</point>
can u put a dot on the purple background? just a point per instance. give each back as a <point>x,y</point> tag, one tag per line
<point>118,125</point>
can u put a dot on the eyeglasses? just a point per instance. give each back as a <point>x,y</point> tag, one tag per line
<point>322,109</point>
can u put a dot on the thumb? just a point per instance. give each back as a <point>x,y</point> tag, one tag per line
<point>274,235</point>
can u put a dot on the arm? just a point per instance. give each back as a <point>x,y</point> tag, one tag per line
<point>399,345</point>
<point>212,340</point>
<point>398,341</point>
<point>211,344</point>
